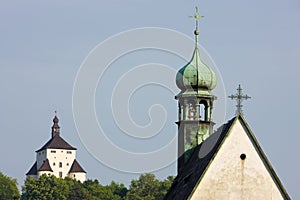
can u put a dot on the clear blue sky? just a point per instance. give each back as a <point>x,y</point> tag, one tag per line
<point>255,43</point>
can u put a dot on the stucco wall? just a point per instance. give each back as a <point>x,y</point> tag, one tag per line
<point>78,176</point>
<point>230,177</point>
<point>65,157</point>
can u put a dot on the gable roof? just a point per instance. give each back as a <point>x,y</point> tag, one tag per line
<point>33,170</point>
<point>192,173</point>
<point>76,167</point>
<point>57,142</point>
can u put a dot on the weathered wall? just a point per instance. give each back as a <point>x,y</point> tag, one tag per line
<point>230,177</point>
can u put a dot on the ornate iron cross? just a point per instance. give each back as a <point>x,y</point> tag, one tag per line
<point>239,97</point>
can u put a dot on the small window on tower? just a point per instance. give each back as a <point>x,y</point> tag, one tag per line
<point>69,152</point>
<point>60,174</point>
<point>67,164</point>
<point>54,164</point>
<point>53,151</point>
<point>60,164</point>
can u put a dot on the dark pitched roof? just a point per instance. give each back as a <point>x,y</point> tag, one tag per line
<point>185,182</point>
<point>57,142</point>
<point>76,167</point>
<point>33,170</point>
<point>46,166</point>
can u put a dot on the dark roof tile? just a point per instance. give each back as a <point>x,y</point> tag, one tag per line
<point>76,167</point>
<point>46,167</point>
<point>57,142</point>
<point>33,170</point>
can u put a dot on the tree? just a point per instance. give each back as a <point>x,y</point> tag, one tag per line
<point>147,187</point>
<point>118,189</point>
<point>76,190</point>
<point>46,187</point>
<point>8,188</point>
<point>98,191</point>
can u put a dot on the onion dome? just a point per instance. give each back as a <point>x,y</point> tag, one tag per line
<point>196,74</point>
<point>55,120</point>
<point>55,127</point>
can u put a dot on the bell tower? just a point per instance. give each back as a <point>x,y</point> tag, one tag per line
<point>195,102</point>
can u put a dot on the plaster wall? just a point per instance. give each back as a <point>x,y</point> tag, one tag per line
<point>63,156</point>
<point>78,176</point>
<point>230,177</point>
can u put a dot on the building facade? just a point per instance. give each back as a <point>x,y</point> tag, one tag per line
<point>57,158</point>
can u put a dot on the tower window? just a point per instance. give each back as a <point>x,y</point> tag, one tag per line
<point>69,152</point>
<point>60,174</point>
<point>54,164</point>
<point>60,164</point>
<point>67,164</point>
<point>53,151</point>
<point>243,156</point>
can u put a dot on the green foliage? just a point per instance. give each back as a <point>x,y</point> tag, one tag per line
<point>113,191</point>
<point>8,188</point>
<point>48,187</point>
<point>44,188</point>
<point>147,187</point>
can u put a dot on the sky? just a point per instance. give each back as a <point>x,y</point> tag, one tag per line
<point>44,44</point>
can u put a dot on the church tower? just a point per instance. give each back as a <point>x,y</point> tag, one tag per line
<point>195,103</point>
<point>228,163</point>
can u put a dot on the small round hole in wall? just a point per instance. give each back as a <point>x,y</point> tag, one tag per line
<point>243,156</point>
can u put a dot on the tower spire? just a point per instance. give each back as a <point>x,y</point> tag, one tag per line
<point>195,102</point>
<point>55,127</point>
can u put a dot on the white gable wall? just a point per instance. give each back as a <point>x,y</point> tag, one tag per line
<point>229,177</point>
<point>63,156</point>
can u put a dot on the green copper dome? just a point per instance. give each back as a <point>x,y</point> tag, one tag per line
<point>196,75</point>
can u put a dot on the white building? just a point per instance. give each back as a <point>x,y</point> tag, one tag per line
<point>57,157</point>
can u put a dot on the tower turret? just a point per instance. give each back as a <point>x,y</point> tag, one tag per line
<point>195,102</point>
<point>55,128</point>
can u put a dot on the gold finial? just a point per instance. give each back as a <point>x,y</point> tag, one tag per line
<point>196,16</point>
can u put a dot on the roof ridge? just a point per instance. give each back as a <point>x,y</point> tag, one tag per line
<point>57,142</point>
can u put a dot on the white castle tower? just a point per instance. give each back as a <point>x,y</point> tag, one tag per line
<point>57,157</point>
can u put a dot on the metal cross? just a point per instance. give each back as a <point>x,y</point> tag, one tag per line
<point>196,16</point>
<point>239,97</point>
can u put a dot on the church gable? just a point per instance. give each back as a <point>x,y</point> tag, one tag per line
<point>239,170</point>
